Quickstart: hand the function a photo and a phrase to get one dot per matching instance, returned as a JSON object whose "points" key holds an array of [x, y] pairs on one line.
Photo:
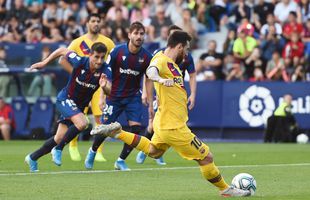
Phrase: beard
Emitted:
{"points": [[179, 59]]}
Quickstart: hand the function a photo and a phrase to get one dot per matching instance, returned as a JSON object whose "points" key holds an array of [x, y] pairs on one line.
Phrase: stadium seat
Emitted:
{"points": [[21, 111], [42, 115]]}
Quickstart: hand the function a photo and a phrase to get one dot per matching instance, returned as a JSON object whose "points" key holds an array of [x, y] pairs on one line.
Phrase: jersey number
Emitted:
{"points": [[196, 143], [70, 103], [108, 110]]}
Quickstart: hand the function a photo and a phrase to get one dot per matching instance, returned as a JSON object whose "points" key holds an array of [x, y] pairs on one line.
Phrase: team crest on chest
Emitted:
{"points": [[124, 58]]}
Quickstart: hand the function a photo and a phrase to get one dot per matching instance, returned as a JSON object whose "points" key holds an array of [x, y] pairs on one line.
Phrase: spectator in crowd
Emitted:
{"points": [[271, 22], [73, 29], [118, 22], [261, 10], [66, 11], [210, 63], [41, 85], [252, 61], [118, 4], [292, 26], [120, 35], [305, 37], [229, 42], [29, 3], [270, 43], [258, 75], [79, 13], [7, 121], [282, 126], [12, 31], [299, 74], [304, 6], [218, 10], [2, 10], [246, 25], [33, 34], [233, 70], [19, 11], [175, 9], [293, 52], [242, 49], [190, 25], [158, 21], [242, 10], [141, 12], [51, 12], [4, 78], [163, 38], [91, 7], [283, 9], [276, 68]]}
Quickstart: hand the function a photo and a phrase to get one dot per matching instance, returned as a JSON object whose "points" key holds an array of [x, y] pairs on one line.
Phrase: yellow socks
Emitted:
{"points": [[136, 141], [73, 142], [212, 174]]}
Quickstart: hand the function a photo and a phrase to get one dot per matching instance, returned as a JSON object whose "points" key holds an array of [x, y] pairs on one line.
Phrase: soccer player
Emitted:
{"points": [[128, 62], [89, 73], [81, 46], [170, 129], [187, 64]]}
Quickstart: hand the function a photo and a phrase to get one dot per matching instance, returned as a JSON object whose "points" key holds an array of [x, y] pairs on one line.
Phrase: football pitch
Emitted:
{"points": [[282, 171]]}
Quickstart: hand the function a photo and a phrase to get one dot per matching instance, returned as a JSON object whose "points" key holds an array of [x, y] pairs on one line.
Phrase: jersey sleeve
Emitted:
{"points": [[73, 46], [191, 66], [74, 59], [111, 58]]}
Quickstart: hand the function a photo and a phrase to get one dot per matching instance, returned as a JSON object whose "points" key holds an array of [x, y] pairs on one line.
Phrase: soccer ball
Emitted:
{"points": [[302, 138], [244, 181]]}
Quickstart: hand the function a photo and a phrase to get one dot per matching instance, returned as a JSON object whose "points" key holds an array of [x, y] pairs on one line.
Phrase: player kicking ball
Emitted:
{"points": [[170, 129]]}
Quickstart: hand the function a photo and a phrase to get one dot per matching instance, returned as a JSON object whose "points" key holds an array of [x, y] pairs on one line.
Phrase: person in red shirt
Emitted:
{"points": [[7, 122], [293, 52], [292, 26]]}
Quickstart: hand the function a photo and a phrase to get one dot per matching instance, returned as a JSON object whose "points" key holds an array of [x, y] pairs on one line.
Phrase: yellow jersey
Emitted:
{"points": [[82, 45], [172, 101]]}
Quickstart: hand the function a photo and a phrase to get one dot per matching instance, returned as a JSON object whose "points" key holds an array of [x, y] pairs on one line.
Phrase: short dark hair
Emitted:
{"points": [[178, 37], [293, 13], [99, 47], [93, 15], [136, 26], [172, 28]]}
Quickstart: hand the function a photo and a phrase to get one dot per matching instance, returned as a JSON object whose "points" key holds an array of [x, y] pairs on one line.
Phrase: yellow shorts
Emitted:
{"points": [[182, 140], [95, 104]]}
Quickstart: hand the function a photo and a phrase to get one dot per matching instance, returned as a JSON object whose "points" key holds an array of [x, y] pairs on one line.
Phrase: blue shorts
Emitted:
{"points": [[67, 109], [114, 108]]}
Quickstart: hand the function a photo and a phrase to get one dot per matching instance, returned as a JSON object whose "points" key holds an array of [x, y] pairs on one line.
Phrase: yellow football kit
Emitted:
{"points": [[170, 127]]}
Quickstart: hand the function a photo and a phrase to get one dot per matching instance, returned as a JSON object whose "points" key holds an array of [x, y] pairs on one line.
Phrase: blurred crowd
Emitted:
{"points": [[266, 39]]}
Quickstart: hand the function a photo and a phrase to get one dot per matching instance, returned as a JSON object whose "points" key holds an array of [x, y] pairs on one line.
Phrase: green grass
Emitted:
{"points": [[172, 183]]}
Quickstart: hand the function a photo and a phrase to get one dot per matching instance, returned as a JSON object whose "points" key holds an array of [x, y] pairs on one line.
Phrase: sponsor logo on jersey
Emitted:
{"points": [[129, 71], [88, 85]]}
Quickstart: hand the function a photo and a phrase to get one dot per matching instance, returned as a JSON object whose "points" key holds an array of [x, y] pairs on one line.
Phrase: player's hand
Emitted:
{"points": [[103, 81], [166, 82], [38, 65], [191, 101]]}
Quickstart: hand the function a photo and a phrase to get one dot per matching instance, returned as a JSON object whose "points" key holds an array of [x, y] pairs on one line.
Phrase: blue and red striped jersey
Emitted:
{"points": [[186, 65], [82, 82], [127, 70]]}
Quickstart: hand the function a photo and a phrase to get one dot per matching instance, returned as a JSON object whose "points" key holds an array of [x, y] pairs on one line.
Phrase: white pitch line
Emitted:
{"points": [[148, 169]]}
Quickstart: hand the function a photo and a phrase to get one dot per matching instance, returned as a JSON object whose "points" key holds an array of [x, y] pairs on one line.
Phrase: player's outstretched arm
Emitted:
{"points": [[152, 73], [55, 54]]}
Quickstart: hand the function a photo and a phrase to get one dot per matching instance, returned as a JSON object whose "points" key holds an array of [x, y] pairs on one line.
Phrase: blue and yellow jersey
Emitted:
{"points": [[172, 101], [82, 45]]}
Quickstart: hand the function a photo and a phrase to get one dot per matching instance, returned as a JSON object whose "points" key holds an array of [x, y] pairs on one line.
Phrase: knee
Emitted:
{"points": [[82, 125], [207, 160]]}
